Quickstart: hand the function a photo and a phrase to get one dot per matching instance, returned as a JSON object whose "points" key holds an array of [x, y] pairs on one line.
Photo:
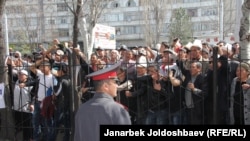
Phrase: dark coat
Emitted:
{"points": [[196, 114]]}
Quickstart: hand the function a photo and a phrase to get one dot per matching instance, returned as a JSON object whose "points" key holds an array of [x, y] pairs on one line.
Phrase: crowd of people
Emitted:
{"points": [[170, 84]]}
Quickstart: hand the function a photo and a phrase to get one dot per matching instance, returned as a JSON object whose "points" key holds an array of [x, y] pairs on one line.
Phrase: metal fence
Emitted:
{"points": [[211, 100]]}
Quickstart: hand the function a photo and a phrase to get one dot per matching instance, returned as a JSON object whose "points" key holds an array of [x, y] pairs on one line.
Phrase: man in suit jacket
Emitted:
{"points": [[195, 92]]}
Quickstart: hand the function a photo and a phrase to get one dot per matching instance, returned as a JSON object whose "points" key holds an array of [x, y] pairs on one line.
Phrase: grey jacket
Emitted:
{"points": [[100, 110]]}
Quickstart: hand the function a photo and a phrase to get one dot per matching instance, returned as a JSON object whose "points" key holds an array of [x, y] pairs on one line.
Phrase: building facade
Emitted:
{"points": [[42, 20]]}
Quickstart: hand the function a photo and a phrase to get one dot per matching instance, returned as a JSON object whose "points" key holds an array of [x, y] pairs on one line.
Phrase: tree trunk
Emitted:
{"points": [[75, 98], [6, 118], [2, 40], [244, 32]]}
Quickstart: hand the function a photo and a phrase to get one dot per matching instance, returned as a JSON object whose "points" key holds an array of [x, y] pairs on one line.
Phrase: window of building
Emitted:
{"points": [[165, 28], [63, 20], [130, 30], [112, 17], [32, 8], [190, 1], [178, 1], [12, 22], [51, 21], [62, 7], [174, 13], [138, 29], [209, 12], [115, 5], [33, 34], [192, 12], [206, 26], [11, 35], [131, 3], [33, 21], [63, 32], [52, 33], [102, 18], [117, 30], [133, 16], [14, 9], [20, 22], [196, 26], [9, 9]]}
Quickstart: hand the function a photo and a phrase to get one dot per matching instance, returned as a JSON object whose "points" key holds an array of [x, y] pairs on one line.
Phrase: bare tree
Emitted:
{"points": [[155, 19], [229, 19], [76, 10], [91, 12], [26, 17]]}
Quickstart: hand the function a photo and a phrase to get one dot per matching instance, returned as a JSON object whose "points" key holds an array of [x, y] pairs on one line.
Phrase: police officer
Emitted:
{"points": [[102, 108]]}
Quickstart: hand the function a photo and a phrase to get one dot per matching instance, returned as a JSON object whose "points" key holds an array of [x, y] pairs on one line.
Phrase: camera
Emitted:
{"points": [[173, 70]]}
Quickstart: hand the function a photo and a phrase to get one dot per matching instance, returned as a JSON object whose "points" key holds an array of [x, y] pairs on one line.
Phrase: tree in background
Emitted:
{"points": [[25, 18], [155, 19], [180, 26], [86, 14], [75, 7], [91, 12]]}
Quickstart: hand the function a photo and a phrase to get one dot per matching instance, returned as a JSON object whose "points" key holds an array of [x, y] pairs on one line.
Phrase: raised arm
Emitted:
{"points": [[33, 67]]}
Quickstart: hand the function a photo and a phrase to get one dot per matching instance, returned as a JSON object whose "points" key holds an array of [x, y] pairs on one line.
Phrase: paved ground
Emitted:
{"points": [[19, 137]]}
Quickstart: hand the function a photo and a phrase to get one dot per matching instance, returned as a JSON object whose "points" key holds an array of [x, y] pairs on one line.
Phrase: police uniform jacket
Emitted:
{"points": [[100, 110]]}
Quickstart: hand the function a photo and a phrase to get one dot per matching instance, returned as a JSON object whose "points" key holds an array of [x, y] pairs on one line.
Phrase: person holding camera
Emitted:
{"points": [[172, 76]]}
